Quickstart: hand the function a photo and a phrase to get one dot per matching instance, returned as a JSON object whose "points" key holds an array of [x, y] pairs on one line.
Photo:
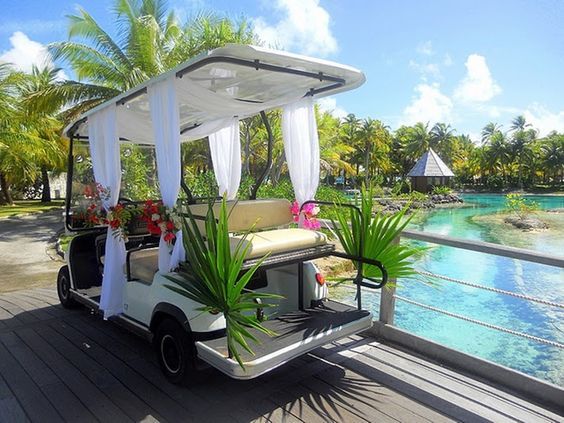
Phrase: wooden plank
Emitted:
{"points": [[10, 409], [39, 303], [17, 312], [366, 394], [195, 396], [94, 399], [425, 391], [36, 406], [146, 391], [62, 399], [486, 396], [40, 311], [312, 407], [130, 404], [323, 392], [26, 308]]}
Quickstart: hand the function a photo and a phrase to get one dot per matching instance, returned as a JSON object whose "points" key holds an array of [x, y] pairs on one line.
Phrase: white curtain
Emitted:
{"points": [[104, 149], [301, 146], [225, 149], [166, 132]]}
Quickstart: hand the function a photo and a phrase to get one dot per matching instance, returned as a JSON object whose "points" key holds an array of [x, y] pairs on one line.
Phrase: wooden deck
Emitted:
{"points": [[60, 365]]}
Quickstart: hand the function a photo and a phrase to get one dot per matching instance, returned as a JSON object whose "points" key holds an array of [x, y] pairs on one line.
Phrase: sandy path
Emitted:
{"points": [[25, 261]]}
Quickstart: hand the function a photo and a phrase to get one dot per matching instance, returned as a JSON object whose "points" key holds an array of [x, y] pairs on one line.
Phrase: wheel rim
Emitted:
{"points": [[64, 287], [170, 354]]}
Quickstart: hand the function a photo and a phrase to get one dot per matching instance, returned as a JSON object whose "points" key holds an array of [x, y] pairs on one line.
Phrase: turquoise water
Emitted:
{"points": [[542, 361]]}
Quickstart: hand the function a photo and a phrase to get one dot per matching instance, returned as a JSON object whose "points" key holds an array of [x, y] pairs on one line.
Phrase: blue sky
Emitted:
{"points": [[462, 62]]}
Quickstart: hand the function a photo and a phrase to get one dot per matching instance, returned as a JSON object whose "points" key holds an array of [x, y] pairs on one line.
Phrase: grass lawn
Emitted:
{"points": [[30, 206]]}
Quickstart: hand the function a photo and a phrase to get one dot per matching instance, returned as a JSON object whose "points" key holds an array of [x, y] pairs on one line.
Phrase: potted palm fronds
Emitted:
{"points": [[379, 233], [212, 276]]}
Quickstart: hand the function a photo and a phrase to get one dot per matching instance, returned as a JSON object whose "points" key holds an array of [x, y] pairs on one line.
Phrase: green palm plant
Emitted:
{"points": [[379, 233], [213, 276]]}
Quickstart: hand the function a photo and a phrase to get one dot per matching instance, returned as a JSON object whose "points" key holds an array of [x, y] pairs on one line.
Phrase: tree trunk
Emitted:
{"points": [[247, 150], [367, 163], [5, 189], [46, 192]]}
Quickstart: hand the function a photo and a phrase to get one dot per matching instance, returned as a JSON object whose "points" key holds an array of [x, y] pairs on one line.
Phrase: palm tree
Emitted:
{"points": [[521, 141], [149, 41], [349, 132], [442, 141], [552, 156], [519, 123], [43, 124], [489, 130], [497, 154], [419, 140]]}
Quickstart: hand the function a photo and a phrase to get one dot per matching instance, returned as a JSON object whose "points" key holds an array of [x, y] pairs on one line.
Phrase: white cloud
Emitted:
{"points": [[478, 85], [25, 53], [303, 27], [426, 69], [544, 120], [447, 60], [425, 48], [329, 104], [428, 105]]}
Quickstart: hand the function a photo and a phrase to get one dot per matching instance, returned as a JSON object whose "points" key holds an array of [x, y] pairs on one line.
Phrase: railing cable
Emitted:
{"points": [[481, 323], [496, 290]]}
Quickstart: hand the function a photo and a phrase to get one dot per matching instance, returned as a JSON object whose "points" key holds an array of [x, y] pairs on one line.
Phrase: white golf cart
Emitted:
{"points": [[125, 279]]}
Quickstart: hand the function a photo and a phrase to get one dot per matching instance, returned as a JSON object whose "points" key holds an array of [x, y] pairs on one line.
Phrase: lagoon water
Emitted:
{"points": [[545, 282]]}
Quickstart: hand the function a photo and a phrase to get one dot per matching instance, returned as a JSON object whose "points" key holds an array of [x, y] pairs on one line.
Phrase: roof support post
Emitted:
{"points": [[260, 180]]}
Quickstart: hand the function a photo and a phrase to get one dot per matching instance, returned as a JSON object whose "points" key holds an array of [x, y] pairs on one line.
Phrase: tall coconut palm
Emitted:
{"points": [[419, 140], [519, 123], [552, 156], [150, 40], [42, 123], [488, 131], [442, 141]]}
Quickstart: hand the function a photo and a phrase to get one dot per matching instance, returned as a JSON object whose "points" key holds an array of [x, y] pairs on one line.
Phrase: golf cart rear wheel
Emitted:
{"points": [[64, 288], [175, 351]]}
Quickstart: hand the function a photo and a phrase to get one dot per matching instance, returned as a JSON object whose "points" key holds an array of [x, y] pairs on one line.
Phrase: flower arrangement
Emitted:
{"points": [[310, 212], [159, 220], [117, 217]]}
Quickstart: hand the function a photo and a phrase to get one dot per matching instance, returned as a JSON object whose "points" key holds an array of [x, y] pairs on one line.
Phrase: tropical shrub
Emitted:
{"points": [[520, 206], [401, 187], [380, 232], [441, 190], [212, 276]]}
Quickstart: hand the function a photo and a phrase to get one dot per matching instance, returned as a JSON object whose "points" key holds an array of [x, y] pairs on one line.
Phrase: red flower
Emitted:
{"points": [[169, 237]]}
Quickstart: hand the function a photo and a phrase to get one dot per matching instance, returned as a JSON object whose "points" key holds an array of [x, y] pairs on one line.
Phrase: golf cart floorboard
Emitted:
{"points": [[296, 333]]}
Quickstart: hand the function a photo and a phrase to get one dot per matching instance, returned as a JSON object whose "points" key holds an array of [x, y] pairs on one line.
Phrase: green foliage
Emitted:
{"points": [[203, 185], [138, 173], [520, 206], [379, 233], [441, 190], [401, 187], [213, 277], [282, 189]]}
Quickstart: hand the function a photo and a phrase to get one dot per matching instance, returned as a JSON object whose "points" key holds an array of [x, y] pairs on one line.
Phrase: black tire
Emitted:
{"points": [[64, 288], [175, 351]]}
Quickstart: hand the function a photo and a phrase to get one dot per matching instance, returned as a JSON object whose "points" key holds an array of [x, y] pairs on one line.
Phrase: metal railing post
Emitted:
{"points": [[388, 300]]}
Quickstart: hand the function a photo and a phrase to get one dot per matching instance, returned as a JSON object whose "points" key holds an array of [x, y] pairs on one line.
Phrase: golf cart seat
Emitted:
{"points": [[263, 218], [143, 264]]}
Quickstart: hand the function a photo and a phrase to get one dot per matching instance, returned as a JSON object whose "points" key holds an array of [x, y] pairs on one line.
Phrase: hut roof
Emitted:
{"points": [[430, 164]]}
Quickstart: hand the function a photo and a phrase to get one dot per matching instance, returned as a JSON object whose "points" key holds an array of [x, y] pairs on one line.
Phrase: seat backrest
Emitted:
{"points": [[263, 214]]}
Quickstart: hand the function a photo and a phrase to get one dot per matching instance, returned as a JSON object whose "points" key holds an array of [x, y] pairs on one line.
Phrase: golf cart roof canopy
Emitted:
{"points": [[235, 80]]}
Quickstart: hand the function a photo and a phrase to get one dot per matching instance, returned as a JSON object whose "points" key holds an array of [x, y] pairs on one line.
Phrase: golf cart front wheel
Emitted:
{"points": [[64, 288], [175, 351]]}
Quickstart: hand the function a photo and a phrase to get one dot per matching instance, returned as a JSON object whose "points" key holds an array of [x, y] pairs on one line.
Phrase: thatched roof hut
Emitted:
{"points": [[430, 171]]}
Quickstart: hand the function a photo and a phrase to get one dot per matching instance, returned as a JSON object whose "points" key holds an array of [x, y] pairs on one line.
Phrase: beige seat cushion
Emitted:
{"points": [[263, 213], [280, 241], [143, 264]]}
